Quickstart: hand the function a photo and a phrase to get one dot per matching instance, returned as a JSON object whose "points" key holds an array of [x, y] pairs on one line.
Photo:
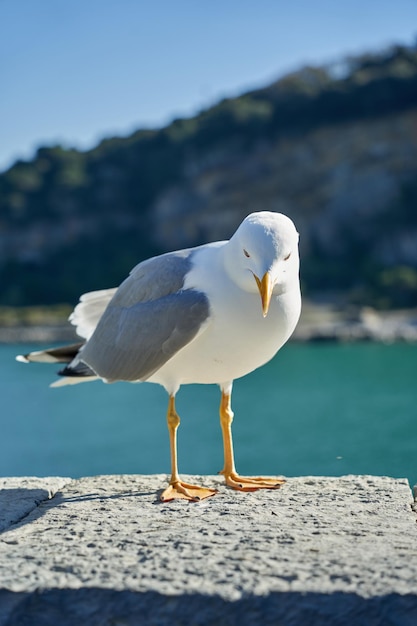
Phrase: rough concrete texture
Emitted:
{"points": [[104, 551], [20, 496]]}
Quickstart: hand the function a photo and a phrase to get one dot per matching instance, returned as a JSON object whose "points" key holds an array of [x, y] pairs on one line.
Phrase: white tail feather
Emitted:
{"points": [[89, 310], [73, 380]]}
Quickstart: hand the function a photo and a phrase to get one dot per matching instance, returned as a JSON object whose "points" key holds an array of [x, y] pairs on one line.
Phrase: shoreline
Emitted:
{"points": [[317, 324]]}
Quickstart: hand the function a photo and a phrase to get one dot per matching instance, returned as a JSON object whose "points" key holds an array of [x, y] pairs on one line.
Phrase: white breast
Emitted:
{"points": [[237, 338]]}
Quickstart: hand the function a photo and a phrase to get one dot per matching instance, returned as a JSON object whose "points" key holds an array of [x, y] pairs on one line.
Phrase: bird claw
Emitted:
{"points": [[252, 483], [179, 490]]}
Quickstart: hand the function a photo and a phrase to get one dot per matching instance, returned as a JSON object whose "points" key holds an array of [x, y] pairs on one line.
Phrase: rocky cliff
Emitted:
{"points": [[333, 147]]}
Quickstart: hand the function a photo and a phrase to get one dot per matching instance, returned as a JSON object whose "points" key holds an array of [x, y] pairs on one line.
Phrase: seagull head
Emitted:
{"points": [[262, 256]]}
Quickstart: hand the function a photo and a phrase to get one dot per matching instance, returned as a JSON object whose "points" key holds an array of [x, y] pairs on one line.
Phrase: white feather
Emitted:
{"points": [[88, 311], [73, 380]]}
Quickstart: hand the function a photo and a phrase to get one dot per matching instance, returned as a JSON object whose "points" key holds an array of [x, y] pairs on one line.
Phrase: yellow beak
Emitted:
{"points": [[265, 287]]}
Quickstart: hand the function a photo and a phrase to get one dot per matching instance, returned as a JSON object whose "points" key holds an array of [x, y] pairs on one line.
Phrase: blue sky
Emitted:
{"points": [[77, 71]]}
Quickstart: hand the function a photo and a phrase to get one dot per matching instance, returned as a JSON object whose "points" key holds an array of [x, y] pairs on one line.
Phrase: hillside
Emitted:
{"points": [[334, 147]]}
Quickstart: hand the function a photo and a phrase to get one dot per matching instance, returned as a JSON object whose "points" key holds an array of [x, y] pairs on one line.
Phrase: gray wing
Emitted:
{"points": [[149, 319]]}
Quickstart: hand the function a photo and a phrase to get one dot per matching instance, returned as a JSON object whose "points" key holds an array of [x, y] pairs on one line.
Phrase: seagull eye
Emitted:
{"points": [[287, 257], [246, 253]]}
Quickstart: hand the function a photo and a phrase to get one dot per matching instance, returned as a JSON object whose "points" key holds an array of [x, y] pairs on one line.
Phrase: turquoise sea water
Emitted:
{"points": [[315, 409]]}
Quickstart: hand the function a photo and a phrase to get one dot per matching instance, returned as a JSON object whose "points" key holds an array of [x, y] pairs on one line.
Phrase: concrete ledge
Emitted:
{"points": [[103, 550]]}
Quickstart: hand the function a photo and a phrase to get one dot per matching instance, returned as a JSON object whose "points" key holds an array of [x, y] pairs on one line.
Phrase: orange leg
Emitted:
{"points": [[240, 483], [177, 488]]}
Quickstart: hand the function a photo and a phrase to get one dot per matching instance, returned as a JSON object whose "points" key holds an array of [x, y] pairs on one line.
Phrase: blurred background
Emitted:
{"points": [[129, 129]]}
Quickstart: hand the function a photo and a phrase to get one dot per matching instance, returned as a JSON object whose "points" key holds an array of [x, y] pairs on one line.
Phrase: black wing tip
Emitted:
{"points": [[64, 354], [81, 370], [22, 358]]}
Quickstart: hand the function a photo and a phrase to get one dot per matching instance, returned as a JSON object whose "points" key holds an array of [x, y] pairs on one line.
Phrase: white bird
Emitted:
{"points": [[208, 314]]}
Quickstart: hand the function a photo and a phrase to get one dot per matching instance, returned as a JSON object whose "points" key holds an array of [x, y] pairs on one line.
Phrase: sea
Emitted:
{"points": [[326, 409]]}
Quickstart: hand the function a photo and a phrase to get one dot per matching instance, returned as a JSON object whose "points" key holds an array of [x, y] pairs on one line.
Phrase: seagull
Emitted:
{"points": [[207, 315]]}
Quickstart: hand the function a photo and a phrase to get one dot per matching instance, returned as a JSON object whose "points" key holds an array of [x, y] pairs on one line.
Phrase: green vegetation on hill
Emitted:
{"points": [[73, 221]]}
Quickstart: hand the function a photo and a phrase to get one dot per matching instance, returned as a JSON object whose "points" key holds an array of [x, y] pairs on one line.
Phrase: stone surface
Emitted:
{"points": [[104, 550], [20, 496]]}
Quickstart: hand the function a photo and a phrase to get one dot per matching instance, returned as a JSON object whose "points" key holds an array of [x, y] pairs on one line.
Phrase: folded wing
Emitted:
{"points": [[147, 320]]}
